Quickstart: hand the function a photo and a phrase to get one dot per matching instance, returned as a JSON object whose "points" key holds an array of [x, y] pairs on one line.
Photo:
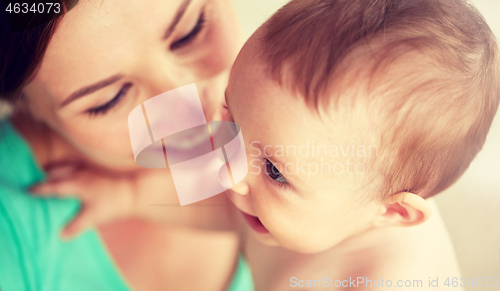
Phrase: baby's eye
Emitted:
{"points": [[274, 173]]}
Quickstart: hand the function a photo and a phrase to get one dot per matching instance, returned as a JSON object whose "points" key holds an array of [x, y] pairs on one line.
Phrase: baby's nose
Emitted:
{"points": [[224, 178], [240, 188]]}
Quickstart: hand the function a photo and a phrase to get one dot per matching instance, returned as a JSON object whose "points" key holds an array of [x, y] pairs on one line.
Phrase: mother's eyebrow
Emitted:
{"points": [[177, 17], [91, 89]]}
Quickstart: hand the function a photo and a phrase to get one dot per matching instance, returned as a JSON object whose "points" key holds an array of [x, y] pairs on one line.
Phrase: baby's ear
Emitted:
{"points": [[403, 209]]}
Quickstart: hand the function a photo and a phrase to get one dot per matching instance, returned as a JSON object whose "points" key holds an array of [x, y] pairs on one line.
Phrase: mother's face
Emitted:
{"points": [[108, 56]]}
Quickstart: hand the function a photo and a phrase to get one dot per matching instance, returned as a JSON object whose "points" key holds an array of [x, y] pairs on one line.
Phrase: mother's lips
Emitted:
{"points": [[255, 223]]}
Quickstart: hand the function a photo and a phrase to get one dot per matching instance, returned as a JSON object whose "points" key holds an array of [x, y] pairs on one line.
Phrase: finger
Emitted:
{"points": [[85, 219], [58, 189], [98, 211], [62, 172]]}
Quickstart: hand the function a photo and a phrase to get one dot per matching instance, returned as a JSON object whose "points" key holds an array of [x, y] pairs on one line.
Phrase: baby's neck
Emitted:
{"points": [[391, 236], [364, 240]]}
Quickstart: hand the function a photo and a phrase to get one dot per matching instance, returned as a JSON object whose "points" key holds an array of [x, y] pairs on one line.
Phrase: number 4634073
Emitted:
{"points": [[477, 282], [34, 8]]}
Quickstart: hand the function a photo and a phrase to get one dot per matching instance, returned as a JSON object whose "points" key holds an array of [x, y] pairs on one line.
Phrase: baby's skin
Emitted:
{"points": [[319, 202], [415, 256]]}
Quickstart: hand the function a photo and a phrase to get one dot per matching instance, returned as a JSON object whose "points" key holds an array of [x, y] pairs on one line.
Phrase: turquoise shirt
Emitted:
{"points": [[32, 256]]}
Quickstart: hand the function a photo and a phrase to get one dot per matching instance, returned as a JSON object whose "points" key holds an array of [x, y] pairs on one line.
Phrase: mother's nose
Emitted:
{"points": [[159, 81]]}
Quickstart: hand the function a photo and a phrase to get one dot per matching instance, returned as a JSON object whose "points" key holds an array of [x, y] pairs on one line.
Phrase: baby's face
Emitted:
{"points": [[306, 170]]}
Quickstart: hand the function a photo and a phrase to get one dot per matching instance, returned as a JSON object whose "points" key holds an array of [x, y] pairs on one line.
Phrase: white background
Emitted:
{"points": [[470, 208]]}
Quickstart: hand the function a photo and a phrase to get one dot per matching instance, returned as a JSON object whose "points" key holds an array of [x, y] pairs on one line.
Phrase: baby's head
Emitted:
{"points": [[350, 107]]}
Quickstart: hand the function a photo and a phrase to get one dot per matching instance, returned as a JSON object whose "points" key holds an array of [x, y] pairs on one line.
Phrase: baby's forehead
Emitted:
{"points": [[418, 77]]}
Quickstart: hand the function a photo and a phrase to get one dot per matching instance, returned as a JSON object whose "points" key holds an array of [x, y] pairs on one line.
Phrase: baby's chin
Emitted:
{"points": [[296, 245], [267, 239], [299, 245]]}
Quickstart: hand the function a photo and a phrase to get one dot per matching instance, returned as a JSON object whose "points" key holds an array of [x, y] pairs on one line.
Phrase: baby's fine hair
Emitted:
{"points": [[428, 68]]}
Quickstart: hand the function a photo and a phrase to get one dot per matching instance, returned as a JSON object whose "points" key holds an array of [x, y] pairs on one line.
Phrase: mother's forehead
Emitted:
{"points": [[98, 39]]}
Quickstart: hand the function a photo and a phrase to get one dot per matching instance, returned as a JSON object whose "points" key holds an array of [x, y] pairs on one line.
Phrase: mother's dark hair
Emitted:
{"points": [[24, 38]]}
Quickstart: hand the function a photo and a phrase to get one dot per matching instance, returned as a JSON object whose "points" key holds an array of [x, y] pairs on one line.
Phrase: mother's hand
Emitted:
{"points": [[103, 196], [149, 194]]}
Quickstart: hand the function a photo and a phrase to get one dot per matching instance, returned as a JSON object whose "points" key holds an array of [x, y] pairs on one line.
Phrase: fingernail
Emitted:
{"points": [[66, 235], [35, 191]]}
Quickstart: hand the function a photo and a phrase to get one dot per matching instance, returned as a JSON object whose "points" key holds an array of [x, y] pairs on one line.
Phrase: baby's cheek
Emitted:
{"points": [[281, 222], [313, 231]]}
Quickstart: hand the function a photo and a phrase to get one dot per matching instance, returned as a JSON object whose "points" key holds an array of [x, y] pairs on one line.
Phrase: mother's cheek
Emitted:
{"points": [[224, 39], [102, 141]]}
